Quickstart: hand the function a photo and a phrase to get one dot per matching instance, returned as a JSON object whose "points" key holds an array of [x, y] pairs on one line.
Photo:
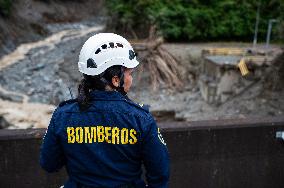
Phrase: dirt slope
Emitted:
{"points": [[30, 20]]}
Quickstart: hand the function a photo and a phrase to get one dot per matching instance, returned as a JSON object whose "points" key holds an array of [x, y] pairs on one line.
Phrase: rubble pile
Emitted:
{"points": [[221, 79]]}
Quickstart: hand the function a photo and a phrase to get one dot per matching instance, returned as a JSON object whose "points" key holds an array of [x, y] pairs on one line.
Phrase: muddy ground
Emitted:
{"points": [[40, 44], [33, 20], [36, 77], [265, 97]]}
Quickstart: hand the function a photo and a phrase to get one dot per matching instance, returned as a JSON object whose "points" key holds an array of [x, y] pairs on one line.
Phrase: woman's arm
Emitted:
{"points": [[51, 153], [155, 157]]}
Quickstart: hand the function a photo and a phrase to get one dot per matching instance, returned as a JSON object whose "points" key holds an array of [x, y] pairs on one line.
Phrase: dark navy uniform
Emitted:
{"points": [[106, 145]]}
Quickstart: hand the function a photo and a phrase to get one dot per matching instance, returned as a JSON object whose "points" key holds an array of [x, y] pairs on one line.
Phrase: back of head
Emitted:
{"points": [[98, 82], [102, 57]]}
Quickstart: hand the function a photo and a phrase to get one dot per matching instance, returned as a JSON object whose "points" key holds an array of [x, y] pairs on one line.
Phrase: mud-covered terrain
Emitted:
{"points": [[39, 79], [264, 97], [35, 76], [39, 73], [33, 20]]}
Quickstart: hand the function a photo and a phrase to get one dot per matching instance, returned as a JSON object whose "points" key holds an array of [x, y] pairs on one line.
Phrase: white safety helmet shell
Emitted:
{"points": [[104, 50]]}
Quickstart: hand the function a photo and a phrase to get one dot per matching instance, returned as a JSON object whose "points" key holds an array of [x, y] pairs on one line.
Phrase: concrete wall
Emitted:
{"points": [[230, 153]]}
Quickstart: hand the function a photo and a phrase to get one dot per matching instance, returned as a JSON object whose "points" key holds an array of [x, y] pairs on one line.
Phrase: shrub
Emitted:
{"points": [[5, 7]]}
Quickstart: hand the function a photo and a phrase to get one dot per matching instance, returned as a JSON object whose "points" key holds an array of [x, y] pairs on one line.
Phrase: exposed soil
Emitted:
{"points": [[264, 98], [30, 20], [43, 74], [37, 75]]}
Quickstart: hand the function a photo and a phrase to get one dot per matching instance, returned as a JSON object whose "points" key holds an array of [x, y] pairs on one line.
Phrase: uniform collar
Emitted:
{"points": [[98, 95], [107, 95]]}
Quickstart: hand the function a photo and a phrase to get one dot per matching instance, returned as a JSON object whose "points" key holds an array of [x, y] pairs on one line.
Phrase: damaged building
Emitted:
{"points": [[221, 78]]}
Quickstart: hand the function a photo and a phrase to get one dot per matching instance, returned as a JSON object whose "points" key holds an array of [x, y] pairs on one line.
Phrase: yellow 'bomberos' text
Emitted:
{"points": [[99, 134]]}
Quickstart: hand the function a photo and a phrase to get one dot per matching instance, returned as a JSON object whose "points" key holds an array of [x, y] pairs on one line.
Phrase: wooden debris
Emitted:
{"points": [[162, 66]]}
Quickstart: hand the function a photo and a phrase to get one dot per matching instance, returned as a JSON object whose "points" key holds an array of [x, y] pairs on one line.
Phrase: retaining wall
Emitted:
{"points": [[204, 154]]}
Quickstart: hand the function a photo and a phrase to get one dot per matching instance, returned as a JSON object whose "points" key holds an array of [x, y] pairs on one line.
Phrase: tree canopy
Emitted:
{"points": [[197, 20]]}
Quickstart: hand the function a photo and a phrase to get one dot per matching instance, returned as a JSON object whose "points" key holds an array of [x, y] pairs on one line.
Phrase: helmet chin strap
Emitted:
{"points": [[121, 83]]}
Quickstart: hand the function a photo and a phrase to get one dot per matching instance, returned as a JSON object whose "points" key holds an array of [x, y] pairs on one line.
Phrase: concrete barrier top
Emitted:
{"points": [[176, 126]]}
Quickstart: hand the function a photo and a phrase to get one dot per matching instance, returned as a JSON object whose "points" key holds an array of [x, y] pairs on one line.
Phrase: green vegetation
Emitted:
{"points": [[5, 7], [197, 20]]}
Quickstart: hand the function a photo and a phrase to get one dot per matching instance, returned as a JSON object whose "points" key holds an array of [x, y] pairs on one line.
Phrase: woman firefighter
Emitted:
{"points": [[102, 137]]}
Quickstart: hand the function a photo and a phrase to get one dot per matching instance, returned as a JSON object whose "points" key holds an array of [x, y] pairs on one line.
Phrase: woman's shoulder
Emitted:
{"points": [[70, 101], [67, 105], [138, 108]]}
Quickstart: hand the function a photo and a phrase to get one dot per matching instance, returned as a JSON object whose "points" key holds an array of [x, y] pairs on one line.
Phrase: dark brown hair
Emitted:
{"points": [[98, 82]]}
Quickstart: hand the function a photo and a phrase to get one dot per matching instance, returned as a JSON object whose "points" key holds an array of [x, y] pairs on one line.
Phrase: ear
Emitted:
{"points": [[115, 81]]}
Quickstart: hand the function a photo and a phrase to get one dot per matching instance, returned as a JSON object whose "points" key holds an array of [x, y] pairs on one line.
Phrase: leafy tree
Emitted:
{"points": [[5, 7], [195, 19]]}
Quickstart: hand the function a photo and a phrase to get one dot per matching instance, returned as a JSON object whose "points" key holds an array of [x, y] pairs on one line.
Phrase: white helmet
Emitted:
{"points": [[104, 50]]}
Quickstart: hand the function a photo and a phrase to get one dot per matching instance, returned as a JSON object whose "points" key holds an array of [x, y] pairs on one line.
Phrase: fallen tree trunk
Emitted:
{"points": [[162, 66]]}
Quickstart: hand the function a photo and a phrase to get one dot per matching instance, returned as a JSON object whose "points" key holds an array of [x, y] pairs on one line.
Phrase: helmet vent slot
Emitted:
{"points": [[119, 45], [98, 51], [91, 63], [111, 44], [132, 54], [104, 46]]}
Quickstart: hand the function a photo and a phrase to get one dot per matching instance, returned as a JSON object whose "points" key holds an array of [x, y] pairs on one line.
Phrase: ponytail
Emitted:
{"points": [[83, 95]]}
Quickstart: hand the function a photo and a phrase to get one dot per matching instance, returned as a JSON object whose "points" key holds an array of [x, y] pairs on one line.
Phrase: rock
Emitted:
{"points": [[38, 67], [46, 78], [4, 123], [31, 91], [11, 97]]}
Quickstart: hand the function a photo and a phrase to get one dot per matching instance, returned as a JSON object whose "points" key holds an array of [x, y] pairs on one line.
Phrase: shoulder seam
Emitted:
{"points": [[137, 106], [66, 102]]}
